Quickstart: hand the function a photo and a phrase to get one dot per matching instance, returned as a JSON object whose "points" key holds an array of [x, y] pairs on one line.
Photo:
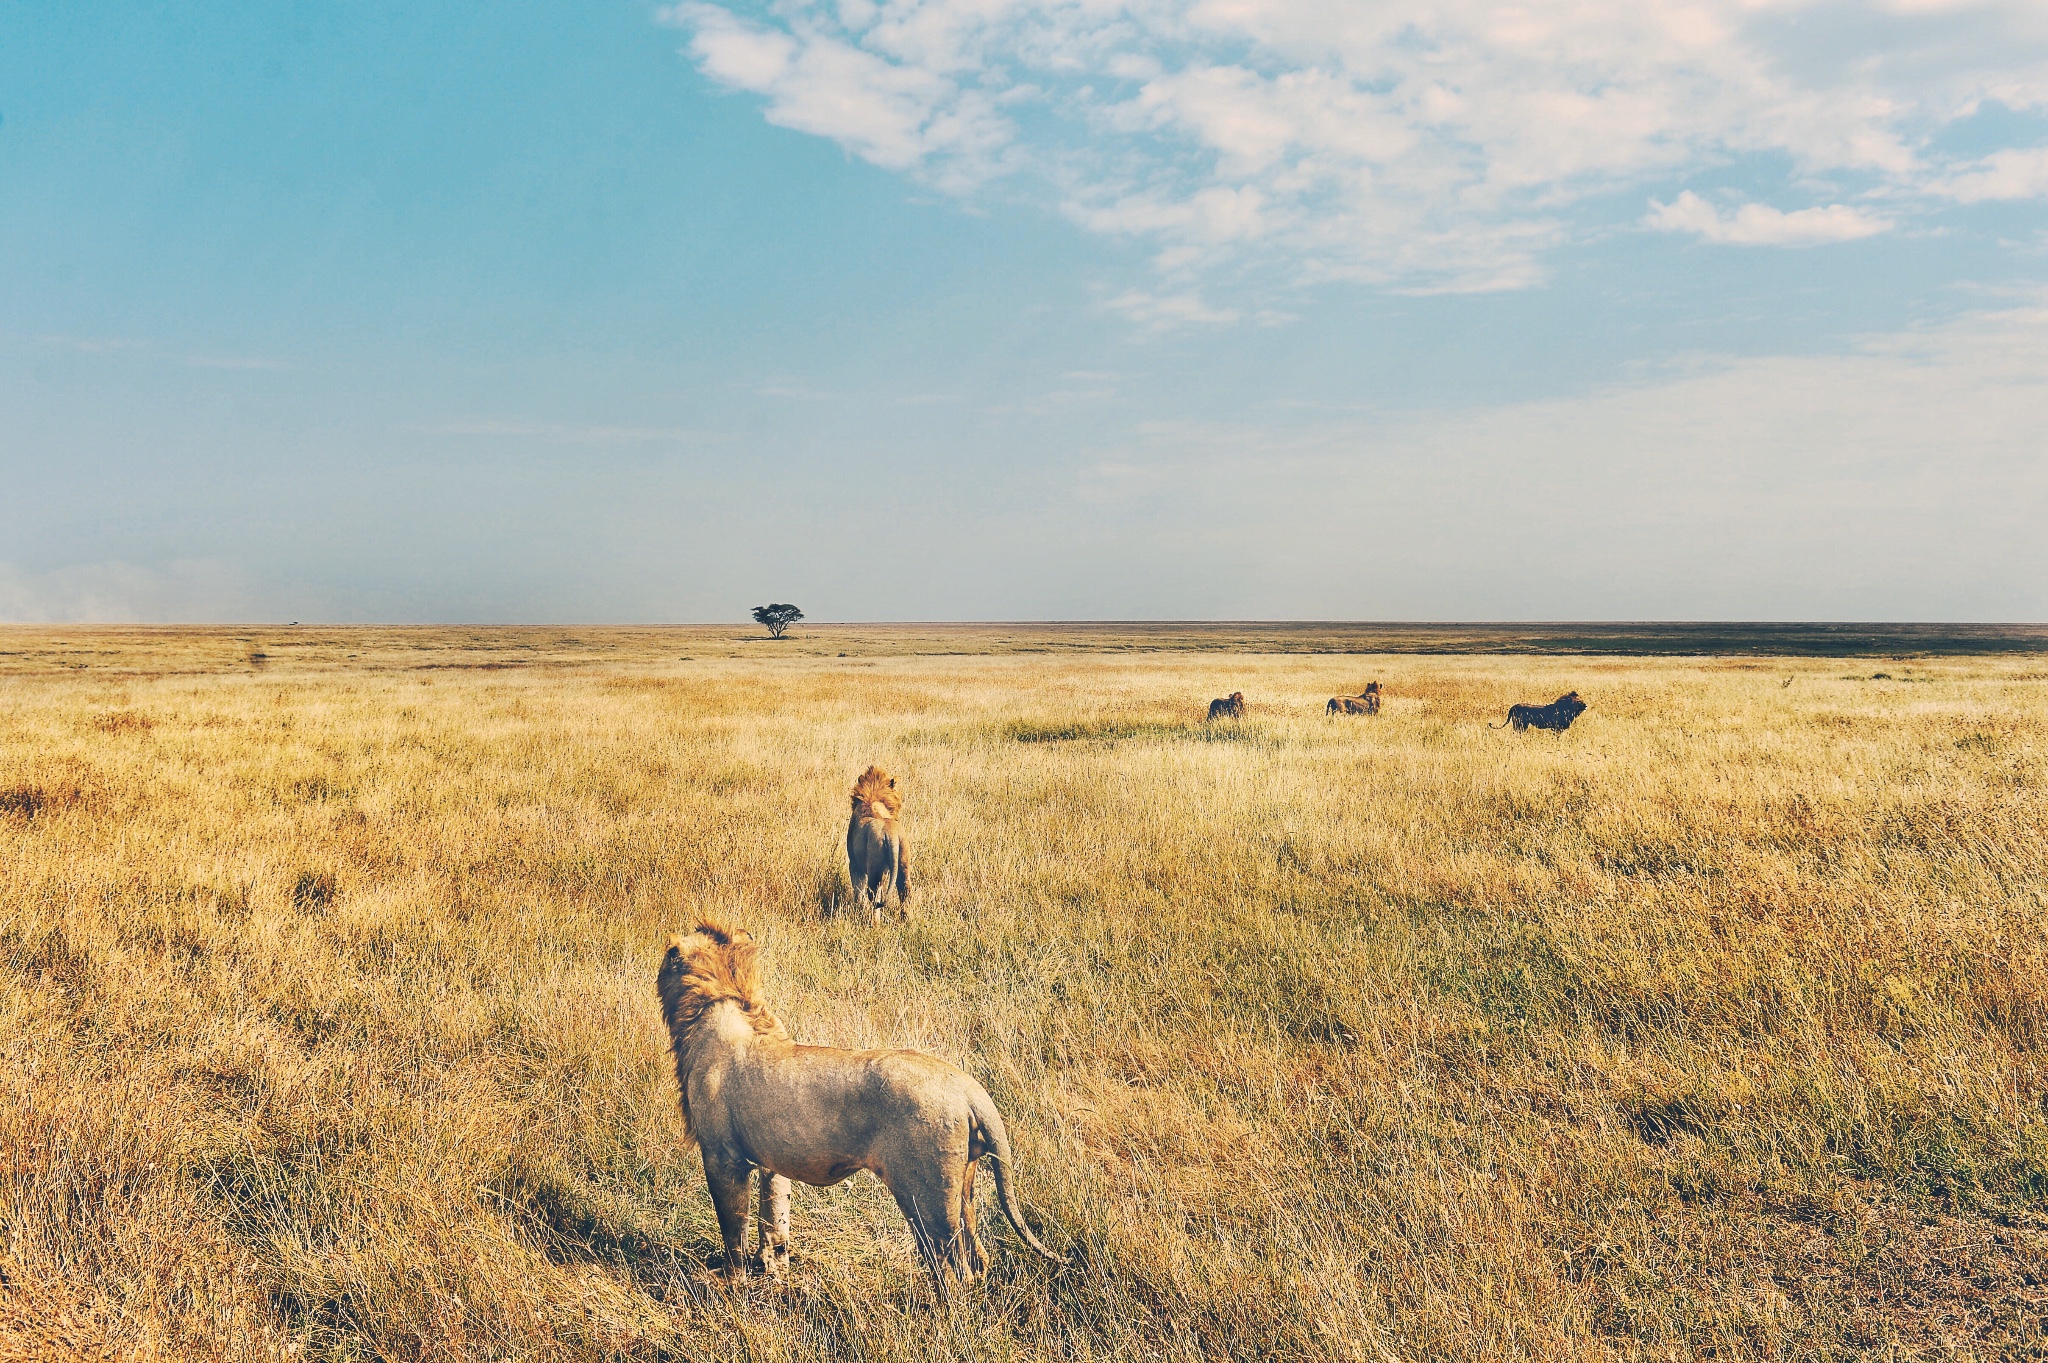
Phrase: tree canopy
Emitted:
{"points": [[777, 617]]}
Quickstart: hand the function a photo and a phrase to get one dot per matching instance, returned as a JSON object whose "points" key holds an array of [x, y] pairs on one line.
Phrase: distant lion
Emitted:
{"points": [[1557, 715], [876, 852], [1230, 707], [1366, 702], [753, 1099]]}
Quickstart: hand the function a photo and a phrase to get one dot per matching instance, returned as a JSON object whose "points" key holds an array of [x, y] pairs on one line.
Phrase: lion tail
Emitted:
{"points": [[1503, 724], [997, 1137], [902, 872]]}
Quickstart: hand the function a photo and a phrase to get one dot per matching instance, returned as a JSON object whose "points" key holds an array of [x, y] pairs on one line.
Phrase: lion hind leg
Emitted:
{"points": [[772, 1224], [977, 1256], [930, 1202]]}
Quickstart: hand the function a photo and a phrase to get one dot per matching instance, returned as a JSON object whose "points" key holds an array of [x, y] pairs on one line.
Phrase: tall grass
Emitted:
{"points": [[1711, 1028]]}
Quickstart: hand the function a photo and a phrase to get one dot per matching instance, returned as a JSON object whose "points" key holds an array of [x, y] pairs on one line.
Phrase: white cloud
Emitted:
{"points": [[1425, 147], [895, 114], [1762, 225], [2016, 173]]}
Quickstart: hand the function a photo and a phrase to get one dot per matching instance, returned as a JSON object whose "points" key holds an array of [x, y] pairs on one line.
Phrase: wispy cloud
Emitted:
{"points": [[184, 590], [91, 345], [1164, 312], [1116, 483], [128, 345], [234, 362], [795, 392], [1900, 480], [1753, 224], [563, 432], [1430, 147]]}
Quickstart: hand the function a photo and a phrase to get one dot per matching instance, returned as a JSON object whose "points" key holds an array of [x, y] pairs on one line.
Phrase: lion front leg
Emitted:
{"points": [[772, 1223], [728, 1180]]}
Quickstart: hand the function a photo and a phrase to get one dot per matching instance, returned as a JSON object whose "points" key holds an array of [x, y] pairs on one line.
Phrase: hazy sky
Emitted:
{"points": [[982, 309]]}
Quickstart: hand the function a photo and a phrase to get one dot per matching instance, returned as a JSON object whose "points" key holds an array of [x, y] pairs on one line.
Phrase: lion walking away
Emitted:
{"points": [[1558, 715], [754, 1101], [876, 853], [1228, 707], [1366, 702]]}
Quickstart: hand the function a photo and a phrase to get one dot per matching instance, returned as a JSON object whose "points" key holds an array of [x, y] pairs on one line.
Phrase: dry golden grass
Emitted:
{"points": [[1713, 1027]]}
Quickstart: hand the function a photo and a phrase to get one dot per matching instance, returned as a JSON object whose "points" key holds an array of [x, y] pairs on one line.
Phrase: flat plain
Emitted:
{"points": [[1711, 1028]]}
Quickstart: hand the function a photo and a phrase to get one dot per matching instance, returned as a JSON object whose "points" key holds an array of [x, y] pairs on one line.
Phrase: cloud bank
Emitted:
{"points": [[1445, 146], [1901, 480], [117, 591]]}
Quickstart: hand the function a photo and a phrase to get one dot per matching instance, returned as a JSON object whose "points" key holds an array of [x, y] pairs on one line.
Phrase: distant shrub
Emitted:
{"points": [[313, 891], [29, 802]]}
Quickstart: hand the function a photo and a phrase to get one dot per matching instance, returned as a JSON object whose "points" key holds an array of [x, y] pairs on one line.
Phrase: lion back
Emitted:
{"points": [[872, 831]]}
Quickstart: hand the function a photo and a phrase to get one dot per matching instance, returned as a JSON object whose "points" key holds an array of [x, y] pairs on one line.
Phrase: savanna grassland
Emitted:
{"points": [[1714, 1027]]}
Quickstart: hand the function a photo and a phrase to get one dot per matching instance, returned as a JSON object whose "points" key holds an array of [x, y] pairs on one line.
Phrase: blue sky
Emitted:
{"points": [[971, 309]]}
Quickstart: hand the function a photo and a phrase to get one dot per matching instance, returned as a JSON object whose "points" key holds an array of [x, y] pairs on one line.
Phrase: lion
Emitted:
{"points": [[1557, 715], [754, 1099], [1366, 702], [1229, 707], [876, 852]]}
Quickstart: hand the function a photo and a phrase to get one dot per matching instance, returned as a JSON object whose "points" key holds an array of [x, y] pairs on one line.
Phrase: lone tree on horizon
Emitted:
{"points": [[777, 617]]}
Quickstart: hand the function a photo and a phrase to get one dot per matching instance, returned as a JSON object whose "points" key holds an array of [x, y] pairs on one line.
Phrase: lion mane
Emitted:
{"points": [[754, 1100], [877, 787], [715, 964]]}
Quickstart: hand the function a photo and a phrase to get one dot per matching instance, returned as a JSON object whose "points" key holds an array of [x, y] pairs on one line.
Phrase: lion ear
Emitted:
{"points": [[675, 941], [892, 783]]}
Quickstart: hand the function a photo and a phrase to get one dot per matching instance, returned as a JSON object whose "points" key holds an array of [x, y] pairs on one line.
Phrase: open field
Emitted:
{"points": [[1714, 1027], [160, 649]]}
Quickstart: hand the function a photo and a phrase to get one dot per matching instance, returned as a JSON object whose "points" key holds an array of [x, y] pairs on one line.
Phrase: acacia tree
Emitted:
{"points": [[777, 617]]}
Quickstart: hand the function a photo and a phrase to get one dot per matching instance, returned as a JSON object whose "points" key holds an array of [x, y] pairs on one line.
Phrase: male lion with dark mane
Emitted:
{"points": [[876, 853], [1228, 707], [753, 1099], [1558, 715]]}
